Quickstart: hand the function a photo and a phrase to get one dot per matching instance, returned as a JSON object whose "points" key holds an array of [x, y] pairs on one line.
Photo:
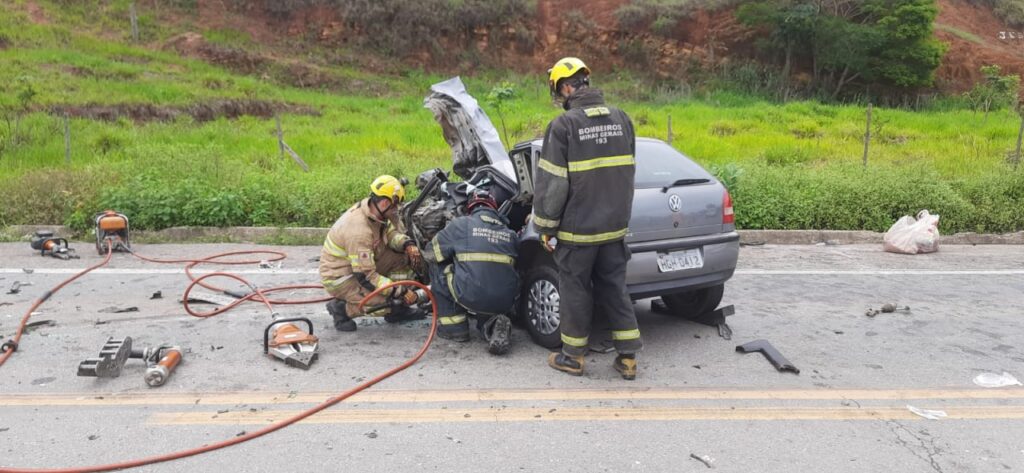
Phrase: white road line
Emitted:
{"points": [[131, 271], [879, 272], [739, 272]]}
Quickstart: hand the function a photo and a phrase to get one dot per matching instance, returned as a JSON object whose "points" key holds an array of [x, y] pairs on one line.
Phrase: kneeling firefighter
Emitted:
{"points": [[472, 271], [366, 249]]}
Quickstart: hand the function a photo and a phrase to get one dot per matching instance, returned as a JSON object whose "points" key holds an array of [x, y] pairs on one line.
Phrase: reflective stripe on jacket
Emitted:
{"points": [[480, 251], [585, 174], [350, 249]]}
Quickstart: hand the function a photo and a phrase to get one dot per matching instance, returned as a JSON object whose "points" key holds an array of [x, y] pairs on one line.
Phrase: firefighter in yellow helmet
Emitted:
{"points": [[583, 199], [367, 249]]}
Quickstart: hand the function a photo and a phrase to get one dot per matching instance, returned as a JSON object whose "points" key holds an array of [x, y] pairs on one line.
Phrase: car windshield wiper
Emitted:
{"points": [[684, 182]]}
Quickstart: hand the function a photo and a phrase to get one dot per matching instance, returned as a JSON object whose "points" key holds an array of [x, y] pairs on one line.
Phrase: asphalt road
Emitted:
{"points": [[461, 409]]}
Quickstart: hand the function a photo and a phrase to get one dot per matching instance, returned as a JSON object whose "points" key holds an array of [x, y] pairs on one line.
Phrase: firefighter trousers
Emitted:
{"points": [[391, 264], [591, 277], [452, 316]]}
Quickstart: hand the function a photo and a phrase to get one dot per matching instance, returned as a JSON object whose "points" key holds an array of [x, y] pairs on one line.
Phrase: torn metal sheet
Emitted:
{"points": [[118, 310], [467, 129], [200, 297], [16, 287], [927, 413], [765, 348]]}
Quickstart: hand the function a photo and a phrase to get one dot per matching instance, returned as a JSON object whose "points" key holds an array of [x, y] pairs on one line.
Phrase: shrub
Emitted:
{"points": [[806, 129], [994, 91], [839, 196], [786, 155], [722, 128]]}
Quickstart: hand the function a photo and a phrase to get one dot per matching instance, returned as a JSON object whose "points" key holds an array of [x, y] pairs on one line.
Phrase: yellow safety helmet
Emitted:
{"points": [[564, 69], [388, 187]]}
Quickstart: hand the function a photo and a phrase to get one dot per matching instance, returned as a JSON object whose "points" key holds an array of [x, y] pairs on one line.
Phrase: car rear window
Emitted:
{"points": [[658, 165]]}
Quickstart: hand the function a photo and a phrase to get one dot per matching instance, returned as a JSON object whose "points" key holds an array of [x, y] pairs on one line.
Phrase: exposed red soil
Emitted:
{"points": [[703, 38], [962, 65], [288, 71], [36, 13], [201, 112]]}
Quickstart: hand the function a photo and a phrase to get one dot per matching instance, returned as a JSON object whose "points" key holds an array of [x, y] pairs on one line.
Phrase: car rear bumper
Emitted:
{"points": [[643, 279]]}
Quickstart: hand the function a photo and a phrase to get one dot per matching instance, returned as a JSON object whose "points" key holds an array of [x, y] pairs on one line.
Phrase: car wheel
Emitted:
{"points": [[692, 305], [538, 306]]}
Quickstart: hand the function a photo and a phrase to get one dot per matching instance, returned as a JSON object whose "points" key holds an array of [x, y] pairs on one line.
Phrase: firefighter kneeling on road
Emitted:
{"points": [[366, 249], [472, 271]]}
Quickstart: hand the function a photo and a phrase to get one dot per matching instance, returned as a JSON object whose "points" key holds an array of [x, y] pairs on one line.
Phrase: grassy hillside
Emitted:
{"points": [[177, 141]]}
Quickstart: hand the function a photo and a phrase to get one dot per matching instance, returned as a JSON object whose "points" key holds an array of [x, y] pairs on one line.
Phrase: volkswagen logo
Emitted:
{"points": [[675, 203]]}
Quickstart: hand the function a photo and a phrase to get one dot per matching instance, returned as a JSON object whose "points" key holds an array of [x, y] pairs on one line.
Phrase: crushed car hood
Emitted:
{"points": [[467, 130]]}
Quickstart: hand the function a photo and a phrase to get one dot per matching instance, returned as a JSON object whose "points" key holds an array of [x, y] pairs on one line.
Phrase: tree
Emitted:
{"points": [[792, 25], [907, 54], [885, 42], [841, 53], [500, 99]]}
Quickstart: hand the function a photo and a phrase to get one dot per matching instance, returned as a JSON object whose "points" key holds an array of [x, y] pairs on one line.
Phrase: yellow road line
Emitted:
{"points": [[483, 395], [344, 416]]}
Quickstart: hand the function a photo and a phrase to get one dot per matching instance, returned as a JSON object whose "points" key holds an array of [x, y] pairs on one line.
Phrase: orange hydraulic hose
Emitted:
{"points": [[272, 427], [28, 314], [277, 256]]}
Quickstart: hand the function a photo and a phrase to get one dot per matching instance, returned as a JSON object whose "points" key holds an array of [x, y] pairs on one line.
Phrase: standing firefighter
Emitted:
{"points": [[472, 270], [366, 250], [584, 196]]}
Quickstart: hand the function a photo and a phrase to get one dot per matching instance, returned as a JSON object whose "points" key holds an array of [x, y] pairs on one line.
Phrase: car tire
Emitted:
{"points": [[538, 306], [694, 304]]}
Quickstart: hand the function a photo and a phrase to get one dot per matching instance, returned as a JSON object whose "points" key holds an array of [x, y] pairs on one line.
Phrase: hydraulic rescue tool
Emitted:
{"points": [[284, 340], [49, 245], [160, 361], [395, 302], [112, 232]]}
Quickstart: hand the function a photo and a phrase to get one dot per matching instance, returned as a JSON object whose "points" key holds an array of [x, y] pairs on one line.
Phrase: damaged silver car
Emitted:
{"points": [[681, 233]]}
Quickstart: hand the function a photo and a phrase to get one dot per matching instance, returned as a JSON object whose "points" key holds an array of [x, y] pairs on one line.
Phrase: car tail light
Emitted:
{"points": [[727, 215]]}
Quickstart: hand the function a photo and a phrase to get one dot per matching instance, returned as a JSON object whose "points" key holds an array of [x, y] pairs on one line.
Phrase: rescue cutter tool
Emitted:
{"points": [[49, 245], [284, 340], [161, 361]]}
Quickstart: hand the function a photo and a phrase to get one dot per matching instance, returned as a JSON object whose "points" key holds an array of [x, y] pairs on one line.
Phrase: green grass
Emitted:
{"points": [[799, 163], [960, 33]]}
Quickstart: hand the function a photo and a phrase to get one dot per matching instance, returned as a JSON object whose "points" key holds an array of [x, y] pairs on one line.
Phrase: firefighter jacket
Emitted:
{"points": [[479, 251], [352, 246], [584, 178]]}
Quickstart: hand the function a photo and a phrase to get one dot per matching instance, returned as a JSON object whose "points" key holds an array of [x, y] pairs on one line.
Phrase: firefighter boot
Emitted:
{"points": [[342, 322], [455, 328], [569, 364], [497, 330], [626, 366]]}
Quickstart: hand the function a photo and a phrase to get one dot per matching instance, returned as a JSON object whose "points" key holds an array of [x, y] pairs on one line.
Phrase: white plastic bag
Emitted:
{"points": [[992, 380], [912, 236]]}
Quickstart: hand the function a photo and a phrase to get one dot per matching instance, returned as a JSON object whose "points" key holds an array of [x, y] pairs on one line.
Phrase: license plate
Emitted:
{"points": [[680, 260]]}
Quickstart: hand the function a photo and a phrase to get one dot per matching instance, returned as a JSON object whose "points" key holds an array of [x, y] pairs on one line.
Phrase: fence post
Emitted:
{"points": [[67, 139], [1020, 137], [867, 136], [280, 136], [670, 129], [135, 22], [283, 147]]}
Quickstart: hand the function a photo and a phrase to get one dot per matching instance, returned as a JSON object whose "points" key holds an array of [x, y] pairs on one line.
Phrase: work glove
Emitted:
{"points": [[546, 240], [405, 294], [414, 255], [410, 297]]}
